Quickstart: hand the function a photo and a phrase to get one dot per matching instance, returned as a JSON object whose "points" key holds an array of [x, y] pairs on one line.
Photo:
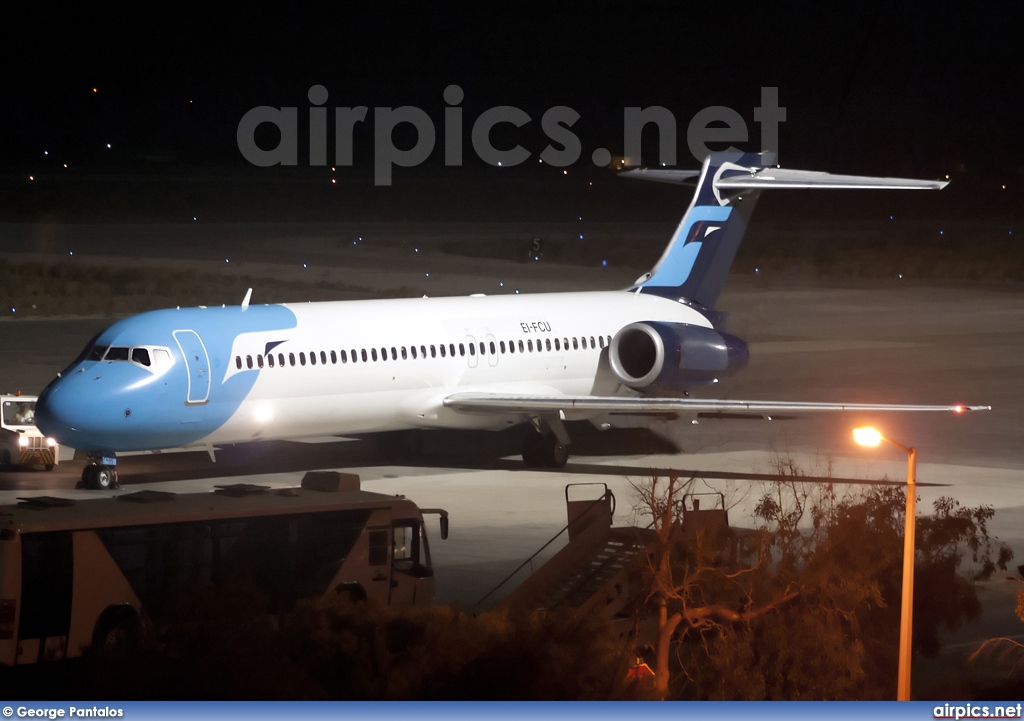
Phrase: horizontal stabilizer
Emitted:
{"points": [[496, 403], [739, 178]]}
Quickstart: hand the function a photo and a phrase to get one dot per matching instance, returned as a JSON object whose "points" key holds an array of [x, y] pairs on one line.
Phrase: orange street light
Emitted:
{"points": [[868, 436]]}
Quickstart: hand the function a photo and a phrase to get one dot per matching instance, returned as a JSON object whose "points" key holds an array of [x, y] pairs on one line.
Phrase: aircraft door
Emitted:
{"points": [[197, 364], [471, 351], [492, 350]]}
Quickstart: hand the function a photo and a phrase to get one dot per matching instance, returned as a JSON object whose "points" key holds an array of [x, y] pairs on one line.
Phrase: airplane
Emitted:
{"points": [[201, 377]]}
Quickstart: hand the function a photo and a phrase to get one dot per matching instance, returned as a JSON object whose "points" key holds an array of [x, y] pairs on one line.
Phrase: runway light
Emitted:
{"points": [[501, 285], [517, 291], [900, 276], [499, 163], [867, 436], [95, 90], [46, 152], [226, 260], [194, 218], [565, 172], [604, 263], [303, 265], [333, 181], [108, 146], [1004, 187], [71, 252], [31, 177], [942, 232], [415, 250], [581, 236], [65, 165], [428, 275]]}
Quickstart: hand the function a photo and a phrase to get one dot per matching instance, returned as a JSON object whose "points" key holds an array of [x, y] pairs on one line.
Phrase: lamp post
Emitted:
{"points": [[871, 437]]}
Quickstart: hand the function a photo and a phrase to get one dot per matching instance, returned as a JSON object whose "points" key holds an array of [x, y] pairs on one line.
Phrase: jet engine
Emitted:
{"points": [[674, 355]]}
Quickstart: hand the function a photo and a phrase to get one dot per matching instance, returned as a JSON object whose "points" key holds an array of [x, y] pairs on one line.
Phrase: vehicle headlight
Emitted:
{"points": [[51, 442], [22, 441]]}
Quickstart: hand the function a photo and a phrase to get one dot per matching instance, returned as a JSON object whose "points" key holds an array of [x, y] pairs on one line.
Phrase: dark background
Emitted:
{"points": [[919, 89]]}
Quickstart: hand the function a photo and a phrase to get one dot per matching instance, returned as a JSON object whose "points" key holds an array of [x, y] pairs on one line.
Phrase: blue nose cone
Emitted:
{"points": [[59, 411]]}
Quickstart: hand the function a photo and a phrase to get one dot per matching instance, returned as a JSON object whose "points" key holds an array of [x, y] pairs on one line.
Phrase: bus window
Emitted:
{"points": [[378, 547]]}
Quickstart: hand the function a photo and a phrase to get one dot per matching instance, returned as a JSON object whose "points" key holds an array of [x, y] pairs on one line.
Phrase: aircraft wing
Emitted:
{"points": [[571, 405]]}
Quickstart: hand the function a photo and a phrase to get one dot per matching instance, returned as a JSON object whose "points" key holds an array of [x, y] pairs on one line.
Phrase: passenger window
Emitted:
{"points": [[373, 354], [492, 347], [248, 362], [451, 349], [565, 343], [482, 350], [259, 361], [600, 341], [323, 358], [432, 353], [384, 354], [412, 349], [443, 351], [558, 346], [302, 359], [334, 358], [405, 356], [238, 362], [462, 349], [592, 343], [547, 344], [529, 345], [291, 359], [363, 354], [280, 360], [423, 351], [502, 346], [344, 357], [312, 358], [141, 356], [394, 353], [270, 359], [522, 348], [472, 349], [575, 344]]}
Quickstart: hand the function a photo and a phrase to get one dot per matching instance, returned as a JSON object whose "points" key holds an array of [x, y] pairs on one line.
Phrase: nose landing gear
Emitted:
{"points": [[100, 472]]}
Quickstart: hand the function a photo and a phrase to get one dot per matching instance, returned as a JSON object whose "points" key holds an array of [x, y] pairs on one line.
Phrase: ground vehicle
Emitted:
{"points": [[94, 571], [21, 443]]}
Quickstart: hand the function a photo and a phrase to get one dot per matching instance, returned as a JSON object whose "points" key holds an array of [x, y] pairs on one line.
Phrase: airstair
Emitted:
{"points": [[590, 571]]}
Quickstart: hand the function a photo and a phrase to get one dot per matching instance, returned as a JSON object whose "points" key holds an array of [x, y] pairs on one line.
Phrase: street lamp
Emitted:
{"points": [[868, 436]]}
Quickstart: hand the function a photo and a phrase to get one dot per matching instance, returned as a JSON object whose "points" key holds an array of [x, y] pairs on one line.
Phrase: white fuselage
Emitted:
{"points": [[351, 396]]}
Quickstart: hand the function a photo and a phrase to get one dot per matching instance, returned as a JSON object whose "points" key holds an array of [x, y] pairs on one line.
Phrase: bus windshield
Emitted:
{"points": [[19, 413]]}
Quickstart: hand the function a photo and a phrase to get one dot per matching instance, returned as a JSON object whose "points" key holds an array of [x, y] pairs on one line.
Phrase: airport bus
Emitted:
{"points": [[75, 573]]}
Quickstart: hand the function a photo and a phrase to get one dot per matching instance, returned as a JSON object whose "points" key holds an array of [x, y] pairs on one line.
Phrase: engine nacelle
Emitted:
{"points": [[674, 355]]}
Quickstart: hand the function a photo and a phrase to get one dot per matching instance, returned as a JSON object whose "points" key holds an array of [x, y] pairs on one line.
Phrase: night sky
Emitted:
{"points": [[918, 88]]}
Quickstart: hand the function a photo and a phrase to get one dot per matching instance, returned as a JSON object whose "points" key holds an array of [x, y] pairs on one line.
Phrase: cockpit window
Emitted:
{"points": [[116, 353], [141, 356], [96, 353]]}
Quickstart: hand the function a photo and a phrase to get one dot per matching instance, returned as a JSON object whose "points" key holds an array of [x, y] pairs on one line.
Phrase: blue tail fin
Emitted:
{"points": [[697, 260]]}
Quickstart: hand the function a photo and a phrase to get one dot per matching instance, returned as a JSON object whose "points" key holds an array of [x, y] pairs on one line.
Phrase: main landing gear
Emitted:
{"points": [[100, 472], [547, 444]]}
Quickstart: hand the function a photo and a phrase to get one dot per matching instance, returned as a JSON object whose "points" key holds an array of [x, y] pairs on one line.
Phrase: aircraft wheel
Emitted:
{"points": [[556, 454], [98, 477]]}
